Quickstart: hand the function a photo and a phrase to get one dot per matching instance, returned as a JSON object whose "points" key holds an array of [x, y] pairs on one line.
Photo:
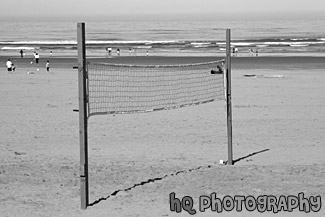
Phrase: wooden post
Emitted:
{"points": [[82, 88], [228, 94]]}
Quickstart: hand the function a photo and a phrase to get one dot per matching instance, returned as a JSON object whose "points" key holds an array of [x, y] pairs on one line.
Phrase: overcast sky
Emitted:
{"points": [[14, 8]]}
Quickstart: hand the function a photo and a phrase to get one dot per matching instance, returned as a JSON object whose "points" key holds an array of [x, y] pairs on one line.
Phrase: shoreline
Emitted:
{"points": [[238, 63]]}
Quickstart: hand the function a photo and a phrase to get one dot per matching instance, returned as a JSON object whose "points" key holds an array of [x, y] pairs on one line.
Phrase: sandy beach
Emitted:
{"points": [[137, 160]]}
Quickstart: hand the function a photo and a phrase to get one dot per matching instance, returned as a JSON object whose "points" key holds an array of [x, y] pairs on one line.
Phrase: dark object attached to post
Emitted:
{"points": [[218, 71]]}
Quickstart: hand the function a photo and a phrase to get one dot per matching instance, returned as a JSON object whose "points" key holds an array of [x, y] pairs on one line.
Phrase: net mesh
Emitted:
{"points": [[116, 88]]}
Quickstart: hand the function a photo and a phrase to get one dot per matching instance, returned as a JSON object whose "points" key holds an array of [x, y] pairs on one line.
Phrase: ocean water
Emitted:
{"points": [[166, 37]]}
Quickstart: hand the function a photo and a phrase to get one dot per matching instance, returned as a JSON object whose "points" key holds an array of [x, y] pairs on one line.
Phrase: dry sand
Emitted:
{"points": [[278, 137]]}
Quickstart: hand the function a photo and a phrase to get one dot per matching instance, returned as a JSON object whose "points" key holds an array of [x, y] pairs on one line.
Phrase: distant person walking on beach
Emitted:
{"points": [[47, 65], [36, 58], [21, 53], [9, 65], [118, 51], [236, 51]]}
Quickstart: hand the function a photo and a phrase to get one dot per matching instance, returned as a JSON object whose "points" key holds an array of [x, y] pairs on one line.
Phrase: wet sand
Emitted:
{"points": [[240, 63]]}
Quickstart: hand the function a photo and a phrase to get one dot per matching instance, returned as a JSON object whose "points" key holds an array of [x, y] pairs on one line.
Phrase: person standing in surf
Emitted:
{"points": [[21, 53]]}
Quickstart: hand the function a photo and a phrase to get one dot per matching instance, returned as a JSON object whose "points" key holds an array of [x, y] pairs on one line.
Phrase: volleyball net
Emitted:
{"points": [[118, 88], [105, 88]]}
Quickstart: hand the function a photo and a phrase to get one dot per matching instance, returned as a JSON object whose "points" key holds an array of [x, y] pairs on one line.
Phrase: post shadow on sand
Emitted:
{"points": [[250, 155], [166, 175]]}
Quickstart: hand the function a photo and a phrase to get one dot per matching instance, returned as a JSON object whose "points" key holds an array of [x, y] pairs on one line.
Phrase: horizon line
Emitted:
{"points": [[168, 16]]}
